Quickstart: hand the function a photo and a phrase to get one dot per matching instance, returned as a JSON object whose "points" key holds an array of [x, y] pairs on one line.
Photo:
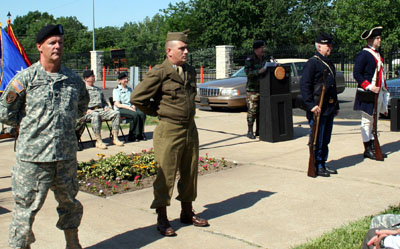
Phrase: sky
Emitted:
{"points": [[107, 12]]}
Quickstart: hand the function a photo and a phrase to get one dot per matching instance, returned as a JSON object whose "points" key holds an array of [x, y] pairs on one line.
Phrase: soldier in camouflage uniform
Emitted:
{"points": [[45, 101], [384, 232], [168, 91], [254, 68], [99, 109]]}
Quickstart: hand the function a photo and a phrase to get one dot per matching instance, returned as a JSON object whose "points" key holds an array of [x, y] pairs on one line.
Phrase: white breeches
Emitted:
{"points": [[366, 127]]}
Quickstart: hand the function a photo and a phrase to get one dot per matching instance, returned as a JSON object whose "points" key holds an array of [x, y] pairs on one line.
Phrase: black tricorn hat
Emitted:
{"points": [[122, 75], [377, 31], [324, 38], [49, 30], [87, 74]]}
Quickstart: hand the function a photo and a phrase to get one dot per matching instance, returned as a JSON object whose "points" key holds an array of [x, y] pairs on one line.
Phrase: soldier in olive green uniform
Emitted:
{"points": [[254, 68], [168, 91], [45, 101]]}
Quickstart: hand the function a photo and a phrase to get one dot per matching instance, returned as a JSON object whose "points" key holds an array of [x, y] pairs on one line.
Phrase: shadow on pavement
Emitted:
{"points": [[143, 236]]}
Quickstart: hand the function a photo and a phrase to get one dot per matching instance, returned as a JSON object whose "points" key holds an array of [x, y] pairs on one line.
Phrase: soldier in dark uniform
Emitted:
{"points": [[168, 91], [310, 91], [368, 68], [254, 68]]}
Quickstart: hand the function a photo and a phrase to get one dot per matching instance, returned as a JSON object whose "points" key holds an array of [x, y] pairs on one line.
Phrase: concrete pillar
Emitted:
{"points": [[97, 63], [224, 60], [134, 77]]}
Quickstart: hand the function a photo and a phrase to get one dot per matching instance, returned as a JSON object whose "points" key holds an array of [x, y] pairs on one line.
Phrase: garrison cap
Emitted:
{"points": [[324, 38], [258, 44], [87, 74], [177, 36], [49, 30], [122, 75], [377, 31]]}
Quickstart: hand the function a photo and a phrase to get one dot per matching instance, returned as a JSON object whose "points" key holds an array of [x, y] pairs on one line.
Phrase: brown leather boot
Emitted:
{"points": [[116, 141], [189, 217], [71, 238], [163, 224], [99, 142]]}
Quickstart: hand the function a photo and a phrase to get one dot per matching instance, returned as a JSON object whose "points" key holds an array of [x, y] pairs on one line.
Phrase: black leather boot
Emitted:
{"points": [[250, 133], [163, 223], [368, 152], [373, 149]]}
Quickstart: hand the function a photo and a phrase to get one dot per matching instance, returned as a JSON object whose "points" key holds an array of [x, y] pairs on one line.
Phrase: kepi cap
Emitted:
{"points": [[377, 31], [324, 38], [122, 75], [49, 30], [258, 44], [87, 74], [178, 36]]}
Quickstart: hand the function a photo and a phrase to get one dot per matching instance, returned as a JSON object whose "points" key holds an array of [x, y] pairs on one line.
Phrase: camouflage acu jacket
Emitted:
{"points": [[46, 109]]}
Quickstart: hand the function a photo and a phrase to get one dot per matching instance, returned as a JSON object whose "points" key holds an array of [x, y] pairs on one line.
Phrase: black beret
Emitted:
{"points": [[122, 75], [87, 74], [49, 30], [258, 44], [377, 31], [324, 38]]}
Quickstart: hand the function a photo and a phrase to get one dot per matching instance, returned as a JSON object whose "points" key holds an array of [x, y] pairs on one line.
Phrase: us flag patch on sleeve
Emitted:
{"points": [[18, 87]]}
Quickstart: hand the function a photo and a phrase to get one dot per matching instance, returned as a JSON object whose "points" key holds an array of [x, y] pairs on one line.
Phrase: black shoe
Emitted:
{"points": [[132, 138], [251, 135], [144, 138], [323, 172], [330, 171]]}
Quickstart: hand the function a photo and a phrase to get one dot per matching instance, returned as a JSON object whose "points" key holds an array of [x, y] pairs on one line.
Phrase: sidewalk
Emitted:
{"points": [[267, 202]]}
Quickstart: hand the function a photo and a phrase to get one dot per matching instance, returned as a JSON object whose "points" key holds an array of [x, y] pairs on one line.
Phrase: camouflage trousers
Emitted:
{"points": [[385, 221], [30, 183], [253, 107], [96, 117]]}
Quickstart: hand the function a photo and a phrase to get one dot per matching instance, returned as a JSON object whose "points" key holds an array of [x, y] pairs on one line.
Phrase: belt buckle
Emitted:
{"points": [[331, 101]]}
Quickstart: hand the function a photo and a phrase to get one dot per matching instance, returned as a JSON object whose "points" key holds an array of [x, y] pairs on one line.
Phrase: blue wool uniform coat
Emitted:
{"points": [[312, 73], [364, 69]]}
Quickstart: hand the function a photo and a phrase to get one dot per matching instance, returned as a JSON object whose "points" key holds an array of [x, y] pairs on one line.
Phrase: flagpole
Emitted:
{"points": [[94, 43]]}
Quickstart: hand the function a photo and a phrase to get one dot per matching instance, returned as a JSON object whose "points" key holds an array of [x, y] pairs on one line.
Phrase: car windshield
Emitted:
{"points": [[239, 73], [300, 67]]}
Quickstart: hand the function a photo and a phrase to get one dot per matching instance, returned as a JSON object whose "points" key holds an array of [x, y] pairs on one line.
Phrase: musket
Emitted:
{"points": [[312, 143], [377, 147]]}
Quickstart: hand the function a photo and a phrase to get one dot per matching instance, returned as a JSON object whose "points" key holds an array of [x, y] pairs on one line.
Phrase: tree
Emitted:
{"points": [[355, 16]]}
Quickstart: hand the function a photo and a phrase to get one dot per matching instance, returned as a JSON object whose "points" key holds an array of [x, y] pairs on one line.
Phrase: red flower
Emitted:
{"points": [[137, 177]]}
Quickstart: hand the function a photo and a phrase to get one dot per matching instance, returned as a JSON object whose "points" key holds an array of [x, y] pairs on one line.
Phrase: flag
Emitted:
{"points": [[11, 61], [17, 43]]}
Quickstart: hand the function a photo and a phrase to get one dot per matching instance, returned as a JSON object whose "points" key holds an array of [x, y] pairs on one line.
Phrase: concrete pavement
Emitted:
{"points": [[266, 202]]}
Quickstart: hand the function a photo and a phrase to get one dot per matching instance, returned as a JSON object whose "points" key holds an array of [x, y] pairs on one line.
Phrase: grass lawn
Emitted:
{"points": [[349, 236]]}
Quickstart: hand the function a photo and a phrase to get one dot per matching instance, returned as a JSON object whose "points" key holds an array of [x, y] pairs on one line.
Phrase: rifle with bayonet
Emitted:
{"points": [[377, 147], [312, 143]]}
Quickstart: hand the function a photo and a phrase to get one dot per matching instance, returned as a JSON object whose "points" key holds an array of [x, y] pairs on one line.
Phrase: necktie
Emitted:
{"points": [[180, 72]]}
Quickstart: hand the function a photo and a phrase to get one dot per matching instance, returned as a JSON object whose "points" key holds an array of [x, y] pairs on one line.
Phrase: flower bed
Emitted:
{"points": [[122, 172]]}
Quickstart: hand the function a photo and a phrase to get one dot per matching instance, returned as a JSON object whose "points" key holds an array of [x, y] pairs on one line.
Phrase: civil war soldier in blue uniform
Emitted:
{"points": [[312, 74], [368, 68]]}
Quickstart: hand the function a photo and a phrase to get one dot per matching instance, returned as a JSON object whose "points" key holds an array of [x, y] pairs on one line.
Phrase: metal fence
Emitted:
{"points": [[206, 57]]}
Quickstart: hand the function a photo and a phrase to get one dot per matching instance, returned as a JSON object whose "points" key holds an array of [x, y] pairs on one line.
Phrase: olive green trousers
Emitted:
{"points": [[176, 147]]}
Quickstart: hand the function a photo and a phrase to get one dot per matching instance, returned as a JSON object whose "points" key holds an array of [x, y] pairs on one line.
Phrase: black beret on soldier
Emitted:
{"points": [[87, 74], [258, 44], [324, 38], [178, 36], [377, 31], [122, 75], [49, 30]]}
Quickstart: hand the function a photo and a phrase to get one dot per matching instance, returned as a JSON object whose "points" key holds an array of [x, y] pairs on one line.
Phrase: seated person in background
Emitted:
{"points": [[135, 117], [99, 109], [384, 232]]}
